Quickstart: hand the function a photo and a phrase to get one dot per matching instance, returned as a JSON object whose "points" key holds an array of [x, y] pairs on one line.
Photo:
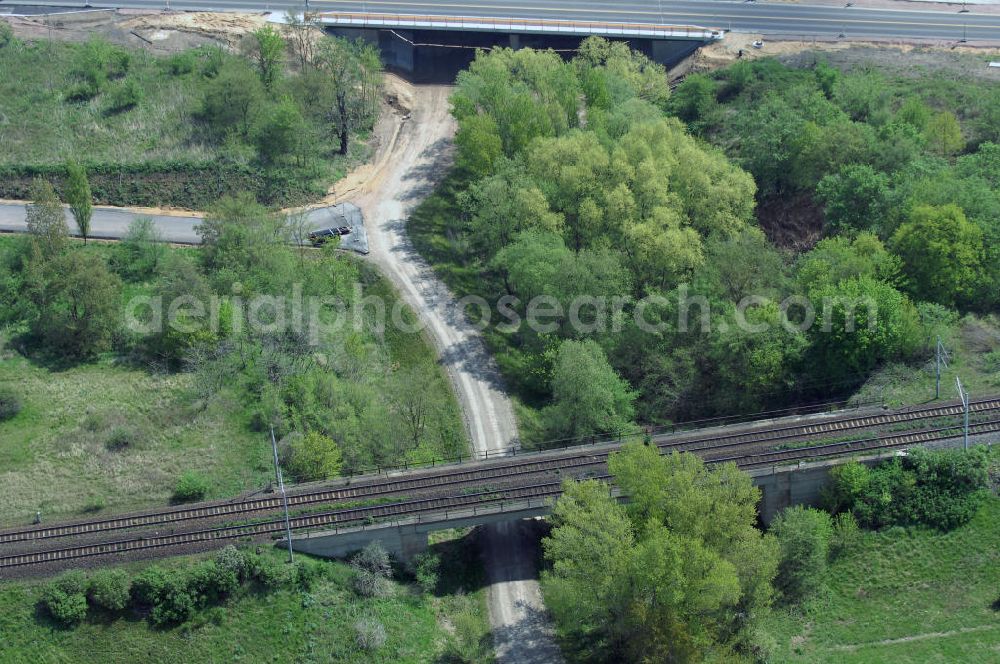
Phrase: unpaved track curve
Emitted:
{"points": [[407, 168]]}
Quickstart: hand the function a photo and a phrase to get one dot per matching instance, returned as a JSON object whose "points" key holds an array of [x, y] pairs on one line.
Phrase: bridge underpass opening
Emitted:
{"points": [[437, 56]]}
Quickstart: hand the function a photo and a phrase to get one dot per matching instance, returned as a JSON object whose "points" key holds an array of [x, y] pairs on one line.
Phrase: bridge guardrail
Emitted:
{"points": [[534, 25]]}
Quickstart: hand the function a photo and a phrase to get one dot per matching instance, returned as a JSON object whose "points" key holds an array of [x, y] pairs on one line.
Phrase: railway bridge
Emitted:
{"points": [[788, 457]]}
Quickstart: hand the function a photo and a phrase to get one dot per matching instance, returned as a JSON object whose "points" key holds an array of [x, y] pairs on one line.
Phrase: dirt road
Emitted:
{"points": [[414, 157]]}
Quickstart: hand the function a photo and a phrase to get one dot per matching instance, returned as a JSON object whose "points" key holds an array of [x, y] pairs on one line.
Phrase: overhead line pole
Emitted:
{"points": [[964, 396], [284, 497]]}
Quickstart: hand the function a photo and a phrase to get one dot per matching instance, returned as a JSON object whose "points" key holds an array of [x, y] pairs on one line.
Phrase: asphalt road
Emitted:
{"points": [[110, 223], [773, 18]]}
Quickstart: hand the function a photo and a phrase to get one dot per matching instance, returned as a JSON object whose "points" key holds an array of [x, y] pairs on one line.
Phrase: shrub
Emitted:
{"points": [[373, 558], [110, 589], [124, 96], [804, 538], [370, 634], [81, 92], [845, 533], [64, 599], [942, 489], [208, 583], [190, 486], [175, 605], [181, 63], [10, 404], [121, 438], [139, 254], [233, 560], [426, 571], [66, 609], [268, 572], [368, 584], [150, 585], [312, 457], [6, 34]]}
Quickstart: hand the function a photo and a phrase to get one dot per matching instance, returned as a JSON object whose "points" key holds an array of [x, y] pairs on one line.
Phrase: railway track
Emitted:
{"points": [[508, 469], [415, 508]]}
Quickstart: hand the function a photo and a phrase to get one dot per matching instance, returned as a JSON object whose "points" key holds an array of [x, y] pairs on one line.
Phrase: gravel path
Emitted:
{"points": [[415, 158]]}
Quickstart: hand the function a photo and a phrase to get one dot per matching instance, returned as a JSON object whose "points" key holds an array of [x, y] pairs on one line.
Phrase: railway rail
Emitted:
{"points": [[508, 469], [418, 507]]}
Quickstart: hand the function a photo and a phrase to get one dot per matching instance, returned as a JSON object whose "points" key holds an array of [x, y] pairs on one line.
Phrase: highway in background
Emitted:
{"points": [[766, 18]]}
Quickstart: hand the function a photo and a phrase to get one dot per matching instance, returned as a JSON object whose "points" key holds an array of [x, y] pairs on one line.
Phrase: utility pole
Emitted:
{"points": [[964, 396], [284, 498], [940, 359]]}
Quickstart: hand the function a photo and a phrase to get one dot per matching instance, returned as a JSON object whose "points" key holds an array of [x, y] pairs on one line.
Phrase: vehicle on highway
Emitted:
{"points": [[320, 236]]}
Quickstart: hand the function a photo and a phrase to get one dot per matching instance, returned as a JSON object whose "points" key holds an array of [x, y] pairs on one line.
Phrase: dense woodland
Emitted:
{"points": [[588, 177]]}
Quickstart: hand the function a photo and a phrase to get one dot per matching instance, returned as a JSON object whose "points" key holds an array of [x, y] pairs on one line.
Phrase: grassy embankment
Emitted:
{"points": [[449, 625], [905, 596]]}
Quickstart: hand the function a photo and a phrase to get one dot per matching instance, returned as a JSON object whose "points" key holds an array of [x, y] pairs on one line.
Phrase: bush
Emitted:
{"points": [[10, 404], [139, 254], [121, 438], [124, 96], [368, 584], [268, 572], [109, 589], [233, 560], [175, 605], [804, 539], [373, 558], [64, 599], [370, 634], [209, 583], [181, 63], [6, 34], [81, 92], [426, 571], [66, 609], [942, 489], [150, 585], [190, 486], [845, 533]]}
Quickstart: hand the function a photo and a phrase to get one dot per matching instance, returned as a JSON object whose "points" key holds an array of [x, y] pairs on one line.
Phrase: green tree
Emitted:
{"points": [[232, 100], [243, 242], [855, 198], [479, 145], [79, 306], [588, 396], [266, 47], [280, 131], [835, 259], [943, 134], [355, 70], [654, 580], [942, 254], [694, 98], [78, 197], [313, 456], [804, 537], [859, 324], [46, 220]]}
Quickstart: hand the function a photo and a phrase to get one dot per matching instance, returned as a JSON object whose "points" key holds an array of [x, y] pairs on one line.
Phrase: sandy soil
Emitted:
{"points": [[971, 59]]}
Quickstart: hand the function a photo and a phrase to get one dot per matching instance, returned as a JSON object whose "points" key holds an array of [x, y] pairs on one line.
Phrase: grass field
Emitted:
{"points": [[905, 596], [283, 626]]}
